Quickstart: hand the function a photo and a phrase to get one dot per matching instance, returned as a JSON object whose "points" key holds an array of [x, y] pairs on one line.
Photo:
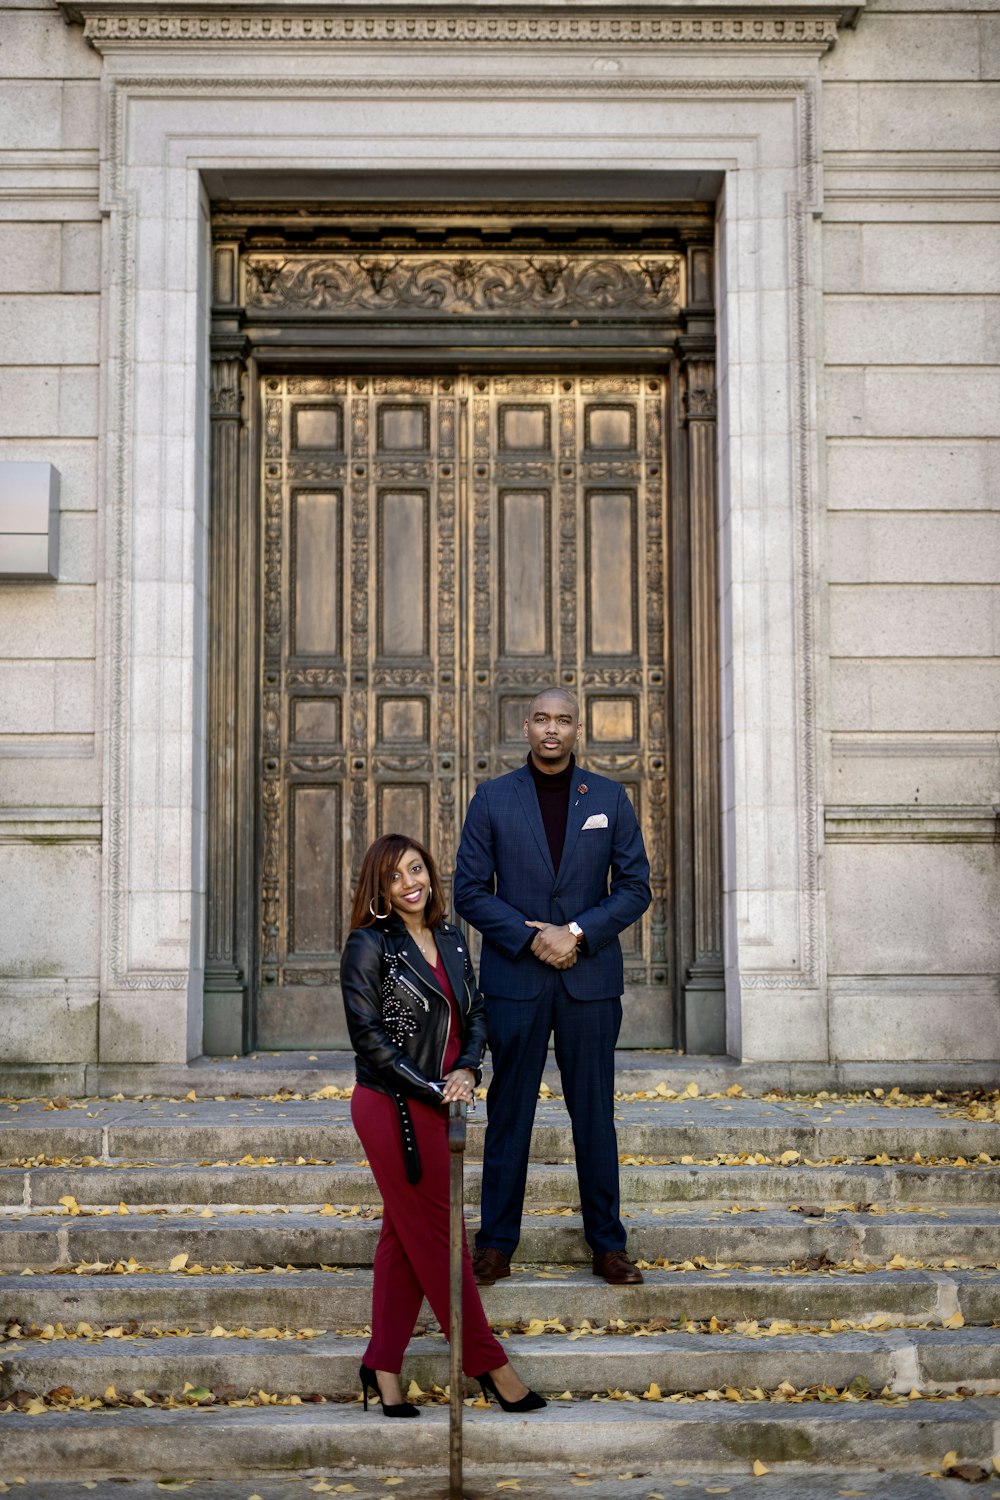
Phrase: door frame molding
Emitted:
{"points": [[679, 348]]}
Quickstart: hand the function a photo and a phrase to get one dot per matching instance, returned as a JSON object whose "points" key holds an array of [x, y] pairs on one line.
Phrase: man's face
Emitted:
{"points": [[552, 727]]}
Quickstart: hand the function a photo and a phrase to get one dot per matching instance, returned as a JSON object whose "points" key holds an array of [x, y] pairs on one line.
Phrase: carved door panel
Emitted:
{"points": [[434, 548], [567, 566], [358, 725]]}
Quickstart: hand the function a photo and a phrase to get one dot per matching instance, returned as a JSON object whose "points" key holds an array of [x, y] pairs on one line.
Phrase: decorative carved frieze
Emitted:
{"points": [[505, 285], [206, 23]]}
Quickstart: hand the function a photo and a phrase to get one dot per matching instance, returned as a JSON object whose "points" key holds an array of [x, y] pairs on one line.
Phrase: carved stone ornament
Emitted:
{"points": [[812, 25], [508, 286]]}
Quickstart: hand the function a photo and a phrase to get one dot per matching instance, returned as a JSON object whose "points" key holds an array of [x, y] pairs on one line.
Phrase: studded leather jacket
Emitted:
{"points": [[397, 1017]]}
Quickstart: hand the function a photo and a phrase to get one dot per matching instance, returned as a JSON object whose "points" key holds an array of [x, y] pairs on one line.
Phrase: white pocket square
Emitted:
{"points": [[596, 820]]}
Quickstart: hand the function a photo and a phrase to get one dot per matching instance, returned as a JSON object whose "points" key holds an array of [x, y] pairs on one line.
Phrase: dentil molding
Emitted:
{"points": [[809, 25]]}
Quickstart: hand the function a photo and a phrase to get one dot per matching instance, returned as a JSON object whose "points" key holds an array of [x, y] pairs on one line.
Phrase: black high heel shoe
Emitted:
{"points": [[369, 1382], [531, 1402]]}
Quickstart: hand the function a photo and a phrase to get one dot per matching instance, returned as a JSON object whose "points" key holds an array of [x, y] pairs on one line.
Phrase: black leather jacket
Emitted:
{"points": [[397, 1017]]}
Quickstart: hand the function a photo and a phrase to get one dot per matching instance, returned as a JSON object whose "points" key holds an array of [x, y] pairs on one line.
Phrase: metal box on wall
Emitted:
{"points": [[29, 520]]}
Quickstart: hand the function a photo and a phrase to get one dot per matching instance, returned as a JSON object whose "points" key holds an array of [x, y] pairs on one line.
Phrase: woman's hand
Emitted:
{"points": [[459, 1085]]}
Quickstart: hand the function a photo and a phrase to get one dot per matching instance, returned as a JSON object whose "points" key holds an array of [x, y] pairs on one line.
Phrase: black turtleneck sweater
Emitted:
{"points": [[553, 803]]}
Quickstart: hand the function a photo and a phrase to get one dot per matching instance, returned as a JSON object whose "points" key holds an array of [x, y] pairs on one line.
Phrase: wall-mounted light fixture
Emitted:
{"points": [[29, 520]]}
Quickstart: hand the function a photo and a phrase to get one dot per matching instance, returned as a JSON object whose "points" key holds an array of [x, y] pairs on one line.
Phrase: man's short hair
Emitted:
{"points": [[555, 692]]}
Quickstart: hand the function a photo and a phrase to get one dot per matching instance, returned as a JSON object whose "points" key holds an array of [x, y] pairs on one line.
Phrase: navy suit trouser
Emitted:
{"points": [[585, 1033]]}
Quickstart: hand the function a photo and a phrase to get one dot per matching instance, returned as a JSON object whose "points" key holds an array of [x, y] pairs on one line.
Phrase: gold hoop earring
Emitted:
{"points": [[380, 916]]}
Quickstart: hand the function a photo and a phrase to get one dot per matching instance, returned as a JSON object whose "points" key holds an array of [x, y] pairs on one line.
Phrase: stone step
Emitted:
{"points": [[342, 1298], [783, 1483], [730, 1233], [265, 1073], [719, 1437], [192, 1131], [548, 1183], [928, 1360]]}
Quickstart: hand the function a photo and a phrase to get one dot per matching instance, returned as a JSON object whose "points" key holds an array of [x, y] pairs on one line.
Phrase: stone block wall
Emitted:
{"points": [[908, 392], [50, 350], [911, 391]]}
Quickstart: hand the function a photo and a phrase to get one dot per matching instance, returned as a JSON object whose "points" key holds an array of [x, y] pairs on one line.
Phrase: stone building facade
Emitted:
{"points": [[216, 231]]}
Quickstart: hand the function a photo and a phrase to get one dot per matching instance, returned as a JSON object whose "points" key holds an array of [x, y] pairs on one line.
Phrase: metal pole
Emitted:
{"points": [[456, 1146]]}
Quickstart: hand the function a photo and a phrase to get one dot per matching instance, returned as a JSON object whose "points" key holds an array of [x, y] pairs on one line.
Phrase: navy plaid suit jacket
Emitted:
{"points": [[504, 876]]}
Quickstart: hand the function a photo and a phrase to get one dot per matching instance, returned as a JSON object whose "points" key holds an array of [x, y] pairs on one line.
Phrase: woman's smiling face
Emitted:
{"points": [[410, 886]]}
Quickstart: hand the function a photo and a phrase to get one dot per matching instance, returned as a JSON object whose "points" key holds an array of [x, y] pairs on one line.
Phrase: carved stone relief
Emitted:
{"points": [[510, 285]]}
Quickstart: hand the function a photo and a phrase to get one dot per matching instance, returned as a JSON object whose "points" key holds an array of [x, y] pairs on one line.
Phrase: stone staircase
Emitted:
{"points": [[821, 1299]]}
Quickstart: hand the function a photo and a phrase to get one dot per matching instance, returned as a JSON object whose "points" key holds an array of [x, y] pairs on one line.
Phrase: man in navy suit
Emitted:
{"points": [[550, 869]]}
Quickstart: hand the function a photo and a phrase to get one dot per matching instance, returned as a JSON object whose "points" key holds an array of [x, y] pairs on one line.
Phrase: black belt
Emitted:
{"points": [[411, 1153]]}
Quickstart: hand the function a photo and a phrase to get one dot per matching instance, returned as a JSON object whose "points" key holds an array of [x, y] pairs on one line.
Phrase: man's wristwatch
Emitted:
{"points": [[577, 932]]}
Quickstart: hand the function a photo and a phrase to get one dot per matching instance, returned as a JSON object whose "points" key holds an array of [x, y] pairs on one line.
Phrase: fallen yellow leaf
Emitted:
{"points": [[179, 1261], [759, 1468], [70, 1204], [189, 1098], [955, 1321]]}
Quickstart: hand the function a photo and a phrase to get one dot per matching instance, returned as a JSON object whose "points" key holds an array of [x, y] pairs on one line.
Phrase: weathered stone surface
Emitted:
{"points": [[907, 47], [51, 330], [824, 1484], [342, 1298], [926, 1016], [883, 402], [933, 916], [913, 474], [328, 1362], [30, 256], [45, 1018], [609, 1436], [921, 696], [925, 548], [680, 1211], [54, 890], [873, 620]]}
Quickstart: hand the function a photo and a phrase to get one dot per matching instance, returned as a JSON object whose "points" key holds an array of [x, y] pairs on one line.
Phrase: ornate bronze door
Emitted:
{"points": [[434, 549]]}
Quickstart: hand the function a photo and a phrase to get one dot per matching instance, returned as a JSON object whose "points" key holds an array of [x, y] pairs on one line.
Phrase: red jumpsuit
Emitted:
{"points": [[412, 1258]]}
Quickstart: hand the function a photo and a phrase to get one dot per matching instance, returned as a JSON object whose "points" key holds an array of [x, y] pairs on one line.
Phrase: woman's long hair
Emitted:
{"points": [[375, 880]]}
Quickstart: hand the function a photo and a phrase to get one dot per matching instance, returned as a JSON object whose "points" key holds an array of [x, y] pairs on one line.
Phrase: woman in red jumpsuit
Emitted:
{"points": [[417, 1024]]}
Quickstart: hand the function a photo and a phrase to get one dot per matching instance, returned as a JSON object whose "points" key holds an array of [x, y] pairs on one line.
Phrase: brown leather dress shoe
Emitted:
{"points": [[490, 1265], [616, 1268]]}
